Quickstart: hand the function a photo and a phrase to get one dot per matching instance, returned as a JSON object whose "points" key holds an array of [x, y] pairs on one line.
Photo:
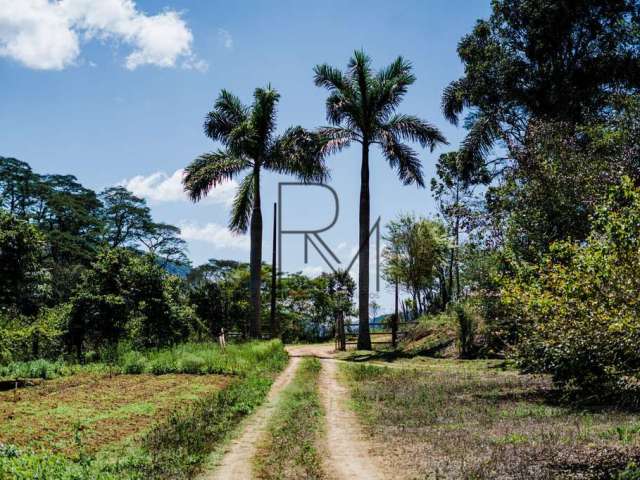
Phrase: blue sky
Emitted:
{"points": [[116, 90]]}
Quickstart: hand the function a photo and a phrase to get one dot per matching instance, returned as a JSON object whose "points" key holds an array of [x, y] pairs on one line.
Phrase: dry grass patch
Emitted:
{"points": [[471, 419]]}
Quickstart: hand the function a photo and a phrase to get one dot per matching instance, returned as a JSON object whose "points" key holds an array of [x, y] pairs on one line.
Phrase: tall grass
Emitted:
{"points": [[177, 447], [194, 358]]}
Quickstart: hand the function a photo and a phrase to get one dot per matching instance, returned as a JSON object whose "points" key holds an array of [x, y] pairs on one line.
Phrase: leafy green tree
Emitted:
{"points": [[19, 186], [212, 271], [415, 257], [211, 303], [163, 241], [542, 59], [457, 204], [578, 307], [24, 282], [340, 288], [361, 108], [70, 217], [248, 135], [565, 172], [128, 295], [127, 217]]}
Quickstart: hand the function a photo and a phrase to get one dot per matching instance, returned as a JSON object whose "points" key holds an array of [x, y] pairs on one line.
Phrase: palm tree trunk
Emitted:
{"points": [[255, 265], [364, 338]]}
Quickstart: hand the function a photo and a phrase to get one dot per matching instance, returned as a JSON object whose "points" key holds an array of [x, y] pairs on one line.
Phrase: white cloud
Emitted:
{"points": [[161, 187], [225, 38], [217, 235], [45, 34], [311, 271]]}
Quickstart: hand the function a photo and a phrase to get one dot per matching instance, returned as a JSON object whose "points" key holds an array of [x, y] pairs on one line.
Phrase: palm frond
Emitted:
{"points": [[409, 127], [330, 78], [390, 86], [263, 115], [228, 112], [298, 152], [403, 159], [334, 139], [209, 170], [454, 100], [242, 205], [484, 131], [341, 109], [359, 68]]}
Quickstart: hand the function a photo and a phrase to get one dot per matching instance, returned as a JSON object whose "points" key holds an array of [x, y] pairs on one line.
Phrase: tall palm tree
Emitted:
{"points": [[361, 108], [249, 140]]}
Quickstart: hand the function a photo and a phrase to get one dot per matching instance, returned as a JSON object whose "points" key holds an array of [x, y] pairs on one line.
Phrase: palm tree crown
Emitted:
{"points": [[361, 107], [250, 143]]}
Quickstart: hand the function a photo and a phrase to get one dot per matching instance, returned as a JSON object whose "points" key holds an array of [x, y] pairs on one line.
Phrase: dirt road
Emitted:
{"points": [[238, 460], [348, 455]]}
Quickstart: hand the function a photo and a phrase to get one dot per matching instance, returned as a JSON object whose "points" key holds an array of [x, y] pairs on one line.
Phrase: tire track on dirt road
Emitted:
{"points": [[237, 462]]}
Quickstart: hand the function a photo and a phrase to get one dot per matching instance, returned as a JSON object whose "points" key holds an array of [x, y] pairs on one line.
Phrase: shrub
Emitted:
{"points": [[134, 363], [34, 369], [467, 327], [578, 309]]}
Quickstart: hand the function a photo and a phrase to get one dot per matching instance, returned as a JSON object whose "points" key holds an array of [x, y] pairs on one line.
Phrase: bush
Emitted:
{"points": [[34, 369], [134, 363], [467, 328], [578, 309]]}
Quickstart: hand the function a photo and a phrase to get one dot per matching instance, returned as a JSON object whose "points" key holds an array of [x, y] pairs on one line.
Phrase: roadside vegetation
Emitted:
{"points": [[100, 425], [290, 450]]}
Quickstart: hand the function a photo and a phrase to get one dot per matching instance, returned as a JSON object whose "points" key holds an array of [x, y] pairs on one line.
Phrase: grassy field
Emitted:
{"points": [[91, 424], [475, 420], [290, 450], [95, 411], [196, 358]]}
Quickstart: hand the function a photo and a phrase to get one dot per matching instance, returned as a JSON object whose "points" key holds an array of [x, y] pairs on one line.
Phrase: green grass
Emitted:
{"points": [[178, 445], [471, 420], [194, 358], [290, 449], [46, 369]]}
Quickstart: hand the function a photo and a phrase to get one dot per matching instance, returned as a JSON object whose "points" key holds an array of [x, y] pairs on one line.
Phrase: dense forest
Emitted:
{"points": [[83, 271]]}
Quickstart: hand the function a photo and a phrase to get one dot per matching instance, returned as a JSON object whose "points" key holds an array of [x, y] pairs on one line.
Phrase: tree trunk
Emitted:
{"points": [[364, 338], [256, 259]]}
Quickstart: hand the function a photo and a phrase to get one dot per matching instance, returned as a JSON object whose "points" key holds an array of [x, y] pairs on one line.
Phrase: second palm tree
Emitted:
{"points": [[361, 108]]}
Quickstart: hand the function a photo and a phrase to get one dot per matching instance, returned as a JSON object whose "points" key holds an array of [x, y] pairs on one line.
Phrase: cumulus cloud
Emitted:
{"points": [[225, 38], [46, 34], [214, 234], [161, 187]]}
